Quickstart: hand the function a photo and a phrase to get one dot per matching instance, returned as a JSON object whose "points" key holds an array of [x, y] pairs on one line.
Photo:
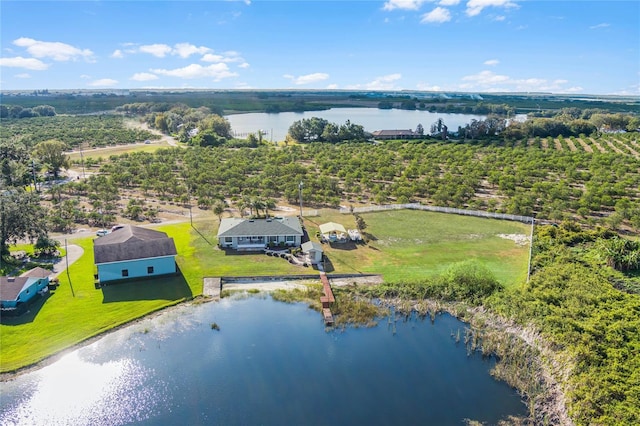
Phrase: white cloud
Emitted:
{"points": [[308, 78], [230, 56], [20, 62], [575, 89], [53, 49], [157, 50], [184, 50], [485, 78], [491, 82], [500, 18], [143, 76], [332, 87], [599, 26], [474, 7], [117, 54], [491, 62], [385, 82], [428, 87], [216, 71], [633, 90], [244, 65], [23, 75], [103, 82], [437, 15], [448, 2], [403, 4]]}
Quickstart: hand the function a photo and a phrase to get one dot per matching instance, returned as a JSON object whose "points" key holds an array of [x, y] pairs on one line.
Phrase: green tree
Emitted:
{"points": [[51, 154], [218, 208], [21, 216]]}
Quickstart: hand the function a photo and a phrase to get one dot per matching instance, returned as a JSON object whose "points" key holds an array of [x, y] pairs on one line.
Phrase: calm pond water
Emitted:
{"points": [[269, 364], [276, 126]]}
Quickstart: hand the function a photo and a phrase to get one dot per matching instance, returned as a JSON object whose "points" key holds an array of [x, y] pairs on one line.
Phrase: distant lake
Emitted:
{"points": [[276, 126], [270, 363]]}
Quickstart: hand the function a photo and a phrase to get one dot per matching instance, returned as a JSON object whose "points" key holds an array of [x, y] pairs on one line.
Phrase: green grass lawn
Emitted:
{"points": [[405, 245], [106, 152]]}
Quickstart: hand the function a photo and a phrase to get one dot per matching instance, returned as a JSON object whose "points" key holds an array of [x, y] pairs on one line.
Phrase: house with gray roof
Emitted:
{"points": [[133, 252], [257, 234], [16, 291], [395, 134]]}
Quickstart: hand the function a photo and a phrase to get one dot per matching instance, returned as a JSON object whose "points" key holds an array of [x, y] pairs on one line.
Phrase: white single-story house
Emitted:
{"points": [[257, 234], [15, 291], [134, 252], [313, 251]]}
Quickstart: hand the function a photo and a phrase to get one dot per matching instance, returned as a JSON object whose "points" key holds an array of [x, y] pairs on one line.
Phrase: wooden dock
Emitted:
{"points": [[212, 287], [327, 299]]}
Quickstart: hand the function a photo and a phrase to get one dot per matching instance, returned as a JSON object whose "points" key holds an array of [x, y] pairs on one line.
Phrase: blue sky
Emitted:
{"points": [[590, 47]]}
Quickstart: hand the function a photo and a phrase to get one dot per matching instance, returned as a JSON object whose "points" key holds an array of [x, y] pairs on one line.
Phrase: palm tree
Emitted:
{"points": [[258, 204], [269, 204], [241, 204]]}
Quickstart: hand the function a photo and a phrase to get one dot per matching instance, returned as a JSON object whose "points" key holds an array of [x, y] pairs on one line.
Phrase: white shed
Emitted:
{"points": [[313, 251]]}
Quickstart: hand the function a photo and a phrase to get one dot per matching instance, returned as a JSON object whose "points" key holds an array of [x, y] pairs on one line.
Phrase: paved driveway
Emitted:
{"points": [[74, 253]]}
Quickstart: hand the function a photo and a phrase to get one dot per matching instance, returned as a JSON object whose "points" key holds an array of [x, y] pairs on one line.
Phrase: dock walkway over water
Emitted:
{"points": [[327, 299]]}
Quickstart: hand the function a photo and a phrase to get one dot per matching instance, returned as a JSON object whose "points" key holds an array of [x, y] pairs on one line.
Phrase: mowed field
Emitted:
{"points": [[403, 246], [408, 245]]}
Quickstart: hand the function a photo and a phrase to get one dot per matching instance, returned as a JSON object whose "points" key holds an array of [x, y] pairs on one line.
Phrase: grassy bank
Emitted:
{"points": [[76, 311], [409, 245]]}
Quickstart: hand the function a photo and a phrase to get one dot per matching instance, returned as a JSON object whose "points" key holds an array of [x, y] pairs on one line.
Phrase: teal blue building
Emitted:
{"points": [[132, 252], [17, 291]]}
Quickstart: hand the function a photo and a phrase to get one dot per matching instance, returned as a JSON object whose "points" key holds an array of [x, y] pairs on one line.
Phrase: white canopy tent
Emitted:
{"points": [[332, 228]]}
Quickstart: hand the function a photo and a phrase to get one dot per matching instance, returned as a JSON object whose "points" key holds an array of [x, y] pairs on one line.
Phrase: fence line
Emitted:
{"points": [[418, 206]]}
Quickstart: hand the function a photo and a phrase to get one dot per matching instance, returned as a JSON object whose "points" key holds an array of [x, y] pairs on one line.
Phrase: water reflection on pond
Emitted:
{"points": [[270, 363], [276, 126]]}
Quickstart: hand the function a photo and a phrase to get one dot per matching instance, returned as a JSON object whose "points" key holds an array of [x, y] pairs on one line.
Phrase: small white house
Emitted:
{"points": [[257, 234], [313, 251], [133, 252]]}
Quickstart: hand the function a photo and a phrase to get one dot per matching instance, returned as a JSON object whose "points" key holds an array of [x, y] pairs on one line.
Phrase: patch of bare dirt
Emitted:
{"points": [[585, 145], [519, 239]]}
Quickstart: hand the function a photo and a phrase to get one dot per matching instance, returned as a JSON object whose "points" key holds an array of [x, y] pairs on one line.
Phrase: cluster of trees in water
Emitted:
{"points": [[316, 129]]}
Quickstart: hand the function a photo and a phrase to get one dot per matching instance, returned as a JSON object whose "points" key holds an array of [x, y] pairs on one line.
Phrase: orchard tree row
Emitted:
{"points": [[73, 131], [549, 184]]}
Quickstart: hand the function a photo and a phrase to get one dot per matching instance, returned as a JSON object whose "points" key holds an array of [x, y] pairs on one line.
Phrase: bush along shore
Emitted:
{"points": [[524, 359]]}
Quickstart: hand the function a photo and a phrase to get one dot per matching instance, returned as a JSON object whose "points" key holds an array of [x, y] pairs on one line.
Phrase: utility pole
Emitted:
{"points": [[73, 293], [530, 250], [33, 173], [300, 193], [82, 162]]}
